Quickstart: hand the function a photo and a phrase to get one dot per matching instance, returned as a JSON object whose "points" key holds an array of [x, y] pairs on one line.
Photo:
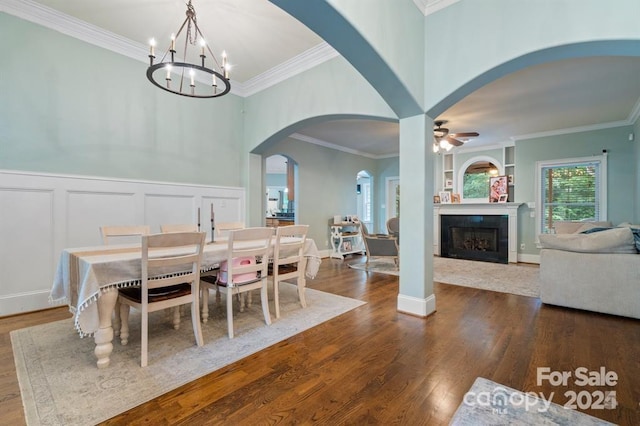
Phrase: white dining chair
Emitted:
{"points": [[246, 269], [123, 233], [223, 228], [159, 290], [289, 263], [179, 227]]}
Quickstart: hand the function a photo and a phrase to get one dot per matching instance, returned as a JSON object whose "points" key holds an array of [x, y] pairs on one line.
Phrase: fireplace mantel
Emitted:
{"points": [[510, 209]]}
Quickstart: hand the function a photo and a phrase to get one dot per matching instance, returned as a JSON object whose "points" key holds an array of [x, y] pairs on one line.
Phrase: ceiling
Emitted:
{"points": [[568, 95]]}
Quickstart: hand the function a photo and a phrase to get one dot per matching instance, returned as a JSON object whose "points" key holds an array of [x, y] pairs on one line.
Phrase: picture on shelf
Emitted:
{"points": [[510, 179], [436, 199], [448, 183], [346, 246], [503, 198], [445, 197], [455, 198], [497, 187]]}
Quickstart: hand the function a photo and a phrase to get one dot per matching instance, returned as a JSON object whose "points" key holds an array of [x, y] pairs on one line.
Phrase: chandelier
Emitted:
{"points": [[180, 76]]}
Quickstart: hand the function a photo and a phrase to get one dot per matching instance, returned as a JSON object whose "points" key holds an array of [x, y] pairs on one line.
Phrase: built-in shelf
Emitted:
{"points": [[447, 172], [509, 170]]}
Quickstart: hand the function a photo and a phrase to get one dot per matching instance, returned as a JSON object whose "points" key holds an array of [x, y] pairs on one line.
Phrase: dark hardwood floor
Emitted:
{"points": [[374, 365]]}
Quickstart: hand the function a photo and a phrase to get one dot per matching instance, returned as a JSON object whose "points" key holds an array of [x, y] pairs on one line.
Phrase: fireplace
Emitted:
{"points": [[475, 237]]}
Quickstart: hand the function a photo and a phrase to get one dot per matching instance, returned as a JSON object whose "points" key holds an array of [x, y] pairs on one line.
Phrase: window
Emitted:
{"points": [[571, 190], [366, 211]]}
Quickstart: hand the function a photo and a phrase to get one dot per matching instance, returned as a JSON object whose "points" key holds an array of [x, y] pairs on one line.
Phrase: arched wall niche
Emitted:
{"points": [[459, 187]]}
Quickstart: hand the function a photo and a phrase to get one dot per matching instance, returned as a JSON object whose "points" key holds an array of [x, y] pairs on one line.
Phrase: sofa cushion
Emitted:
{"points": [[572, 227], [615, 240]]}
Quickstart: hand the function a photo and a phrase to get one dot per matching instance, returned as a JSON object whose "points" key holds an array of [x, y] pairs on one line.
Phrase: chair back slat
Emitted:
{"points": [[289, 245], [163, 266], [179, 227], [121, 232]]}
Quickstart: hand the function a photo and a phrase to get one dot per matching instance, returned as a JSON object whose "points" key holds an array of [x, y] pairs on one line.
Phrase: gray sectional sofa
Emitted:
{"points": [[598, 271]]}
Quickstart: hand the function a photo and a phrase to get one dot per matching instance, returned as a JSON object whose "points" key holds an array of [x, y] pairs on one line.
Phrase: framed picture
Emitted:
{"points": [[347, 245], [497, 187], [445, 197], [502, 198], [436, 199], [448, 183], [455, 198], [510, 179]]}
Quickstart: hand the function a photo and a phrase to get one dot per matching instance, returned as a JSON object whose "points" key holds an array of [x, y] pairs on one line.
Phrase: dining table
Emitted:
{"points": [[87, 279]]}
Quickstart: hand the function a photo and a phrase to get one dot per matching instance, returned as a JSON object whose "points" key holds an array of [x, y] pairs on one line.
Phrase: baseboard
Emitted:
{"points": [[12, 304], [529, 258], [324, 253], [416, 306]]}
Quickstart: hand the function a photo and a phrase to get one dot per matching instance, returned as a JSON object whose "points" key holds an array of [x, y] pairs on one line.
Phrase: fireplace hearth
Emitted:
{"points": [[475, 237]]}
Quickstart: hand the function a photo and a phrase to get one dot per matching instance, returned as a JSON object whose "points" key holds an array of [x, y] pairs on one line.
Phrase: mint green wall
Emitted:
{"points": [[388, 25], [507, 30], [621, 168], [326, 184], [276, 179], [332, 88], [69, 107]]}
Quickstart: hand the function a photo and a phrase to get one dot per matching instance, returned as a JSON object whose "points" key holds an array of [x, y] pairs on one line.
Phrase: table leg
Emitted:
{"points": [[104, 336]]}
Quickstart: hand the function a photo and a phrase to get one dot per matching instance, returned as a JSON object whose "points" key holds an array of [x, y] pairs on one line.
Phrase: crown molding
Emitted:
{"points": [[309, 139], [427, 7], [302, 62], [635, 113], [50, 18], [578, 129]]}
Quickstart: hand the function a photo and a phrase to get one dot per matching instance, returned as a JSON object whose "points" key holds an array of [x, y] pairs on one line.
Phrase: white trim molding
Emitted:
{"points": [[47, 17], [416, 306]]}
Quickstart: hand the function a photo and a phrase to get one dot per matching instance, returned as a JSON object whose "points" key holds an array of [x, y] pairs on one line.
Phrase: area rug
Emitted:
{"points": [[61, 385], [381, 266], [523, 280], [490, 403]]}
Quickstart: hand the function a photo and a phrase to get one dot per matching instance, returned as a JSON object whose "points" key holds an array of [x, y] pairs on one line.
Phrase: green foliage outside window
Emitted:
{"points": [[570, 193], [475, 185]]}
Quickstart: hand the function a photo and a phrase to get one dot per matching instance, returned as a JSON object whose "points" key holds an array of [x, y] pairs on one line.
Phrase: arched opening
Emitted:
{"points": [[281, 176], [473, 178]]}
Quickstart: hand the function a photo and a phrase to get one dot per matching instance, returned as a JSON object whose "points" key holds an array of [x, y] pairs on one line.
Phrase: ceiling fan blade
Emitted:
{"points": [[453, 141], [465, 135]]}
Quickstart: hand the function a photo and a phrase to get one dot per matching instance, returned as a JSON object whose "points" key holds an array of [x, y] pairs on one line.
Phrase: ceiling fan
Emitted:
{"points": [[446, 140]]}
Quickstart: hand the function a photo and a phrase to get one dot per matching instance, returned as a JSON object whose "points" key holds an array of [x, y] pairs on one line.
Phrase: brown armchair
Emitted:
{"points": [[379, 245]]}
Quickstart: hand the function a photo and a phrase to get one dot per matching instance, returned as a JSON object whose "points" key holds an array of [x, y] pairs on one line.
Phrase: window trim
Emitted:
{"points": [[602, 159]]}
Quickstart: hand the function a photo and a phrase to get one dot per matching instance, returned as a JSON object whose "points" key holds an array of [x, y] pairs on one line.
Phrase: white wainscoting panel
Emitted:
{"points": [[41, 214]]}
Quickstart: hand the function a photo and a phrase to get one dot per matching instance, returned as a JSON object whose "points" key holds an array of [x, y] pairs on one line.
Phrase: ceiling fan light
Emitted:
{"points": [[448, 147], [444, 143], [436, 148]]}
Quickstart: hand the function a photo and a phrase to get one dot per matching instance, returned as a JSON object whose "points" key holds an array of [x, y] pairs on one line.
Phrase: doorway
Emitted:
{"points": [[364, 198], [281, 176]]}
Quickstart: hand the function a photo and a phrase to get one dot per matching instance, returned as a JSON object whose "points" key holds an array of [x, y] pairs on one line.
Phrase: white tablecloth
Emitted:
{"points": [[83, 274]]}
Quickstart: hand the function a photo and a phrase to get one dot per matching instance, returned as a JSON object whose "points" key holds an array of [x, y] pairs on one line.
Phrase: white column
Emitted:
{"points": [[416, 217]]}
